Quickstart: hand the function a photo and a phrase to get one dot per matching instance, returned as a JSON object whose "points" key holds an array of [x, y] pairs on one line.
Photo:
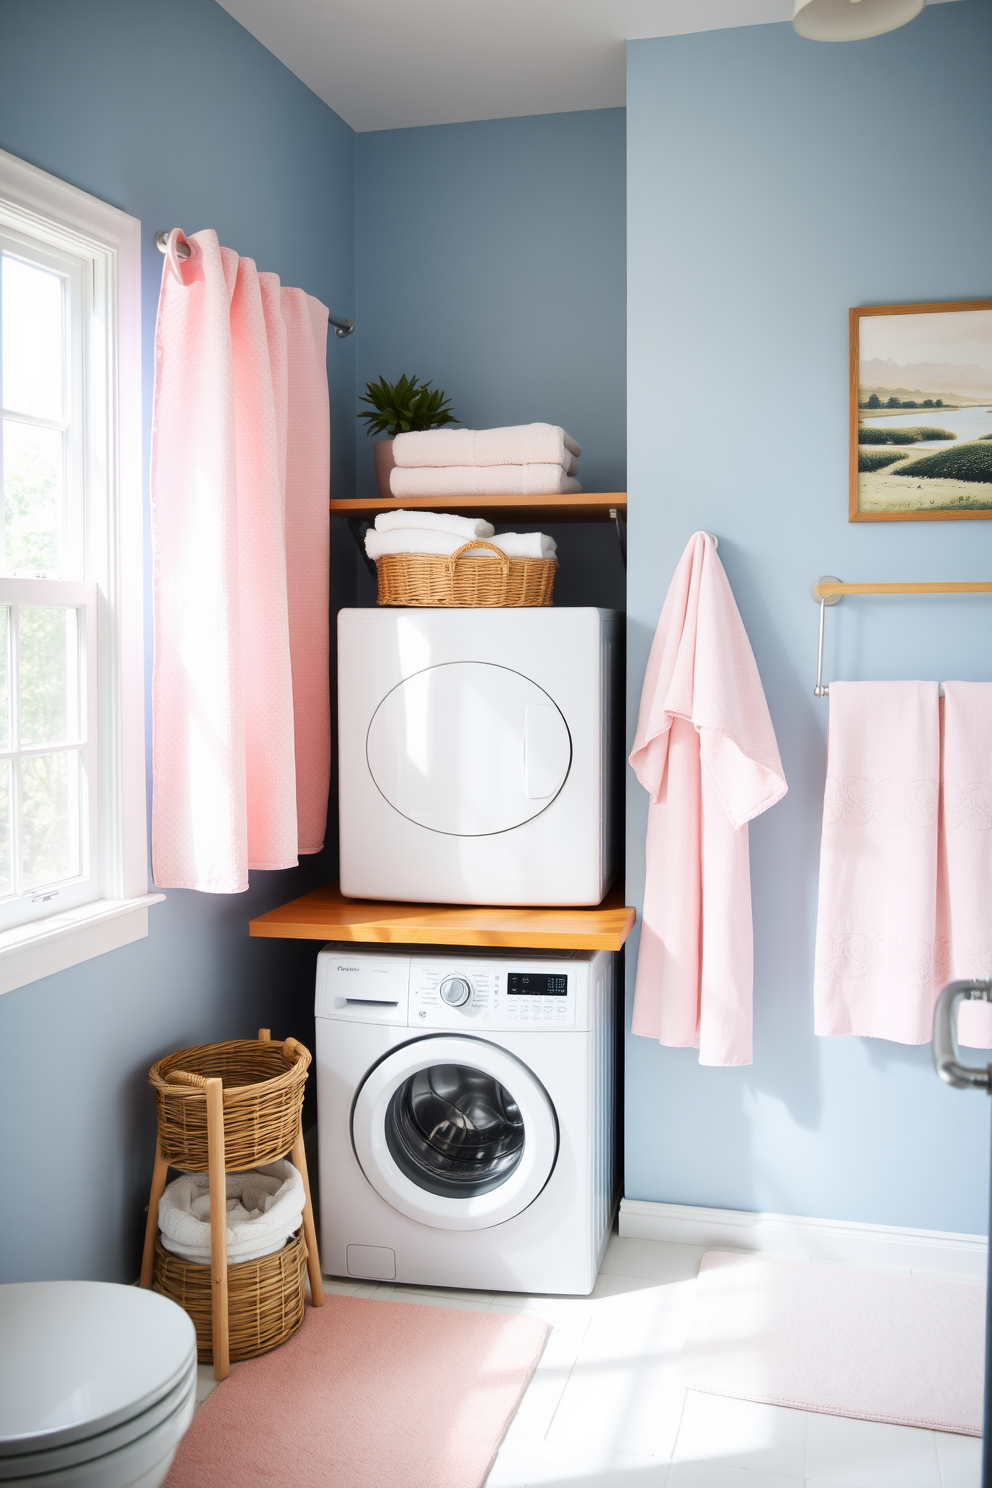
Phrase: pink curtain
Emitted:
{"points": [[239, 490]]}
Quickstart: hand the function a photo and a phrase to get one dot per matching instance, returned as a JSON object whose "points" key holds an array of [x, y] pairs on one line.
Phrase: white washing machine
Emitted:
{"points": [[466, 1116], [477, 754]]}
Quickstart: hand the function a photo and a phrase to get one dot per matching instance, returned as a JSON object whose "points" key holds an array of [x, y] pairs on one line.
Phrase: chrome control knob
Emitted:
{"points": [[455, 991]]}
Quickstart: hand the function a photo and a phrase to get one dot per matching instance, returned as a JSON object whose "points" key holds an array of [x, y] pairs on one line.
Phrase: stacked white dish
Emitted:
{"points": [[97, 1384]]}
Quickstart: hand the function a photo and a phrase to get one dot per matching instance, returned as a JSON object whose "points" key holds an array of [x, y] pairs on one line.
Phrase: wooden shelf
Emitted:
{"points": [[325, 914], [587, 506]]}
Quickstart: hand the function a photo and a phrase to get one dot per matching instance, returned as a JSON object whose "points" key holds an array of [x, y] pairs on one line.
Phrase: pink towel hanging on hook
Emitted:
{"points": [[705, 750], [238, 527]]}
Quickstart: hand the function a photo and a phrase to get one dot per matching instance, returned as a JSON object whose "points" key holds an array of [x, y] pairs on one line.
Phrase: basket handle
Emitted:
{"points": [[183, 1077], [292, 1050], [478, 543]]}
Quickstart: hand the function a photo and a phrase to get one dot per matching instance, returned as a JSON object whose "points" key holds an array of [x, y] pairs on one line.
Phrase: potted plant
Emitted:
{"points": [[399, 408]]}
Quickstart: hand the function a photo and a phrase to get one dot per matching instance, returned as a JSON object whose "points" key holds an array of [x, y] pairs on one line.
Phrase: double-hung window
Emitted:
{"points": [[73, 875]]}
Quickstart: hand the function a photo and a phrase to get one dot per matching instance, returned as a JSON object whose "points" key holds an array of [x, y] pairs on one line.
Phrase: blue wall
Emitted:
{"points": [[762, 204], [172, 112], [491, 261], [772, 183]]}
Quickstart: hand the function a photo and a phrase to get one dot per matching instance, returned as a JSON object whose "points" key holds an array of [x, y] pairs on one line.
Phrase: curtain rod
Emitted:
{"points": [[829, 591], [342, 328]]}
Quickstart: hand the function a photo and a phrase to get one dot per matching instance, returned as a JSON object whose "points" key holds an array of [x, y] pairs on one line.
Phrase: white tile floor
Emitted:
{"points": [[605, 1408]]}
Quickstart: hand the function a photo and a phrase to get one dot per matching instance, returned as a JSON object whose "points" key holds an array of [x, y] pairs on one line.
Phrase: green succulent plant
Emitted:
{"points": [[399, 408]]}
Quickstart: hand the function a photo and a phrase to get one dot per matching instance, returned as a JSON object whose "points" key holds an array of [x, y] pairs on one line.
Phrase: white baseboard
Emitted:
{"points": [[839, 1240]]}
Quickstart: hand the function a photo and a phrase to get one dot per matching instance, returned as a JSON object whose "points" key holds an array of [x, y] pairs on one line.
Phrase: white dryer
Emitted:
{"points": [[466, 1116], [477, 754]]}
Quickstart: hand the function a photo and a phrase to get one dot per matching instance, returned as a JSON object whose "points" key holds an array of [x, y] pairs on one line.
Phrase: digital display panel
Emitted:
{"points": [[536, 984]]}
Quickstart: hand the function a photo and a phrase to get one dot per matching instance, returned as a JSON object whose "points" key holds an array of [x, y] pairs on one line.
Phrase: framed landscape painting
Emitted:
{"points": [[921, 412]]}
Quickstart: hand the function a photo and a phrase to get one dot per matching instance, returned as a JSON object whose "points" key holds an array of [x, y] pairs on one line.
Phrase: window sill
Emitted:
{"points": [[63, 940]]}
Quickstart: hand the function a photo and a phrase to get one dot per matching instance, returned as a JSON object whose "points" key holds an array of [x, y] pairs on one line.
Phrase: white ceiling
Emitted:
{"points": [[391, 64]]}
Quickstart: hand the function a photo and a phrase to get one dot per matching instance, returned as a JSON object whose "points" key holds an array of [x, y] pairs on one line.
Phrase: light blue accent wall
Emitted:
{"points": [[772, 183], [169, 110], [491, 261]]}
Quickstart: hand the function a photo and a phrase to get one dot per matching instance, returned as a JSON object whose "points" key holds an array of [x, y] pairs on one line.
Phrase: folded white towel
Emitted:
{"points": [[482, 480], [569, 462], [419, 540], [520, 444], [525, 545], [264, 1207], [464, 527]]}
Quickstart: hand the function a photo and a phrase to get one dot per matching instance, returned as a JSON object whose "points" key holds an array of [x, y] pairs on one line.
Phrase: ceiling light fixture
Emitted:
{"points": [[851, 20]]}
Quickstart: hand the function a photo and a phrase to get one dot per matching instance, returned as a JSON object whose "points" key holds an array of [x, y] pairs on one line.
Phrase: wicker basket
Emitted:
{"points": [[263, 1100], [264, 1298], [428, 580]]}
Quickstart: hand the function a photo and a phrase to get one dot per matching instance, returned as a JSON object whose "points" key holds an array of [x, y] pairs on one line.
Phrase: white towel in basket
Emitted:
{"points": [[264, 1207], [463, 527], [420, 540]]}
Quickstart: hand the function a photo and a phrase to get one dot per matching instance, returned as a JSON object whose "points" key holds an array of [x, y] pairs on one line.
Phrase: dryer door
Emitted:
{"points": [[468, 748], [455, 1132]]}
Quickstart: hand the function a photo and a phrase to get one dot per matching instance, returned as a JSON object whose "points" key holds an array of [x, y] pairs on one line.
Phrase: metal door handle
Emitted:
{"points": [[945, 1049]]}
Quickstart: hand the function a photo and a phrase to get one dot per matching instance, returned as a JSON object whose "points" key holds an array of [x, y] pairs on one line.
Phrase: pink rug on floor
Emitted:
{"points": [[876, 1345], [366, 1395]]}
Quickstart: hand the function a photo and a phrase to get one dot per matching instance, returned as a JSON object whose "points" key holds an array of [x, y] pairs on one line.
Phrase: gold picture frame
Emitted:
{"points": [[921, 391]]}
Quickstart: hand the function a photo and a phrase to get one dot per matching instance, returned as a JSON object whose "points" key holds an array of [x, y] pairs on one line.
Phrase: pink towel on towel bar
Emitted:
{"points": [[875, 969], [705, 750], [964, 863], [231, 346]]}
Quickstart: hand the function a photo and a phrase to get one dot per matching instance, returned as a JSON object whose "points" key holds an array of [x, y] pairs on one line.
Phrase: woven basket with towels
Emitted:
{"points": [[440, 560], [459, 580]]}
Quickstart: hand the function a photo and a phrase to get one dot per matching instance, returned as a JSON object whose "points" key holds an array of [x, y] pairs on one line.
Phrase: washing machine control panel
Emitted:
{"points": [[498, 996]]}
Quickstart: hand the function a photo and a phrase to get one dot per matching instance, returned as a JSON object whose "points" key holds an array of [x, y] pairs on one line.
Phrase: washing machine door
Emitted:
{"points": [[455, 1132]]}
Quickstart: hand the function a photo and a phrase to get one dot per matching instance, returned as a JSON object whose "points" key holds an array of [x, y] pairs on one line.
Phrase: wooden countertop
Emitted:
{"points": [[325, 914]]}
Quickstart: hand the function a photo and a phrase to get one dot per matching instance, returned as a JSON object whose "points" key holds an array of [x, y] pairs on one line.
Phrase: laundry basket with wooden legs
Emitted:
{"points": [[227, 1108]]}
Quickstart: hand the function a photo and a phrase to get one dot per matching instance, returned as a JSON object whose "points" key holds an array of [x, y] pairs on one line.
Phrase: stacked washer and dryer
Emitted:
{"points": [[466, 1098]]}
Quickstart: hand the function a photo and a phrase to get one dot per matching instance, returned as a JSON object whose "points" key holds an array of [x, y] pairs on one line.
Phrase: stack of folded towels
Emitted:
{"points": [[437, 532], [525, 460]]}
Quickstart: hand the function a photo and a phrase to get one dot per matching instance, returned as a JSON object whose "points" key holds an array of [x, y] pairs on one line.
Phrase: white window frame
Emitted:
{"points": [[50, 212], [84, 735], [75, 418]]}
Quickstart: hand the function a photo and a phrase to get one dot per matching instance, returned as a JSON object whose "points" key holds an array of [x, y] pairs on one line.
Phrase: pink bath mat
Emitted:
{"points": [[366, 1395], [877, 1345]]}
